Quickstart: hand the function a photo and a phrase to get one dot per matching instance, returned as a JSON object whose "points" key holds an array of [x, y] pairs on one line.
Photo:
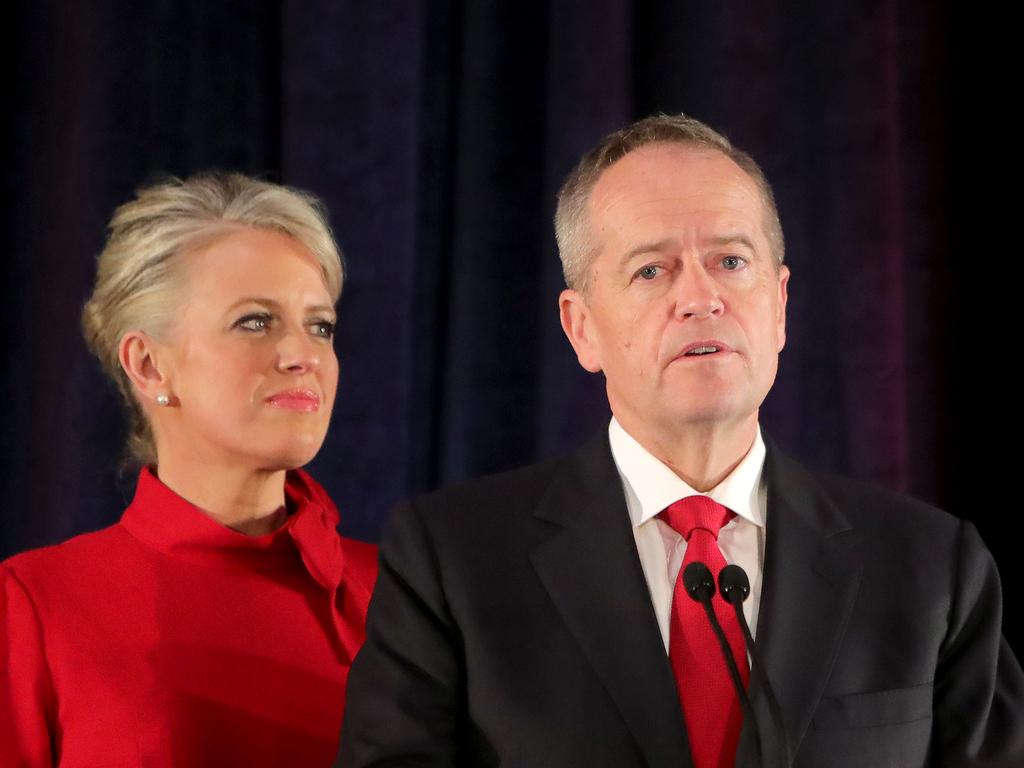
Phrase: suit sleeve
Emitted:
{"points": [[979, 685], [26, 693], [405, 685]]}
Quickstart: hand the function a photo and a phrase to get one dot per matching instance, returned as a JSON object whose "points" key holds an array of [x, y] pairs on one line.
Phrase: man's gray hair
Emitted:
{"points": [[572, 226]]}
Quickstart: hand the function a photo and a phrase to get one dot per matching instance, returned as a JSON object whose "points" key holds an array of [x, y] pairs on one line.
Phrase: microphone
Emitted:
{"points": [[699, 582], [700, 586], [735, 588]]}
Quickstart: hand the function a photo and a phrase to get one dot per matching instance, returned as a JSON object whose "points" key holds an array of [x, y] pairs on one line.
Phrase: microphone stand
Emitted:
{"points": [[700, 586], [735, 587]]}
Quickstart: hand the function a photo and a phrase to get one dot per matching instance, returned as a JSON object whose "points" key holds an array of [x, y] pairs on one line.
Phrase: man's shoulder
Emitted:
{"points": [[514, 504], [872, 508], [504, 492]]}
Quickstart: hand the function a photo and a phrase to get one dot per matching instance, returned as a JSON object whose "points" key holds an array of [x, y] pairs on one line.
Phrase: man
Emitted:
{"points": [[538, 618]]}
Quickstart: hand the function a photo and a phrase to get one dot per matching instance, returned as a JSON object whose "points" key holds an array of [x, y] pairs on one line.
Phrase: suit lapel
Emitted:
{"points": [[812, 575], [592, 572]]}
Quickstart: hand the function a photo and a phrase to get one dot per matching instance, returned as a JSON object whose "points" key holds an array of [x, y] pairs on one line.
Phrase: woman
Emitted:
{"points": [[214, 625]]}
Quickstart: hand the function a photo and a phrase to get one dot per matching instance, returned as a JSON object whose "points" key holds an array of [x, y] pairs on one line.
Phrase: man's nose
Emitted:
{"points": [[298, 352], [697, 294]]}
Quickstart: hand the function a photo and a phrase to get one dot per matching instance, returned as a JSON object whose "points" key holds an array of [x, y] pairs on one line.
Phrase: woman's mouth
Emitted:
{"points": [[302, 400]]}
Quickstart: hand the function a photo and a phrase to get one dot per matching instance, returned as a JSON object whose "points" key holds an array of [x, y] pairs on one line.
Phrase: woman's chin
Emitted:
{"points": [[290, 454], [295, 457]]}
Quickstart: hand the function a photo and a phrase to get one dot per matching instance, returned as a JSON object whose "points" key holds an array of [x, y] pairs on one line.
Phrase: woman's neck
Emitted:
{"points": [[246, 500]]}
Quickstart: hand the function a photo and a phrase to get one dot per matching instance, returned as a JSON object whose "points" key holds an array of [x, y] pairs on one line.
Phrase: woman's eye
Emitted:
{"points": [[323, 328], [648, 272], [259, 322]]}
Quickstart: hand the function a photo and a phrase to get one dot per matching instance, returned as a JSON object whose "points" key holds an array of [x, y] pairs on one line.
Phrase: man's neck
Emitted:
{"points": [[701, 454]]}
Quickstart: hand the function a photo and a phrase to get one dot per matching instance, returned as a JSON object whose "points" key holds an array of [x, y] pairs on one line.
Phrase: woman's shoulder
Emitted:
{"points": [[35, 569], [360, 561], [361, 554]]}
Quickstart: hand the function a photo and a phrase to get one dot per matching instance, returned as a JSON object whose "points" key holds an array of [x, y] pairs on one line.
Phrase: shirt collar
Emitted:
{"points": [[652, 486], [164, 520]]}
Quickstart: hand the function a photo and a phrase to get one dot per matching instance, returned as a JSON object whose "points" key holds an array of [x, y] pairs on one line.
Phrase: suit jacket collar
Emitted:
{"points": [[592, 572], [591, 569], [812, 573]]}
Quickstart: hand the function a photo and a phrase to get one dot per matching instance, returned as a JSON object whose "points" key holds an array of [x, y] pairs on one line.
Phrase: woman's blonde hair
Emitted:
{"points": [[139, 279]]}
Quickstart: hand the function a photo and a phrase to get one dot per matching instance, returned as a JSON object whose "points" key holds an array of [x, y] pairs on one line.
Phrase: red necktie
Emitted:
{"points": [[710, 705]]}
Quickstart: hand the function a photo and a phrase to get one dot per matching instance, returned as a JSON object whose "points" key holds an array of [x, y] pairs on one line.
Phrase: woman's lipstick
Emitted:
{"points": [[302, 400]]}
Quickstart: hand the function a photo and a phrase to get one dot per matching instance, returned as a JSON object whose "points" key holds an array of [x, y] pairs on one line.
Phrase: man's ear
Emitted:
{"points": [[577, 324], [780, 321], [139, 355]]}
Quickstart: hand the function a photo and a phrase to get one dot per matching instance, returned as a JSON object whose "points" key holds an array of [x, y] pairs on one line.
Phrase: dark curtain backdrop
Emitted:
{"points": [[438, 132]]}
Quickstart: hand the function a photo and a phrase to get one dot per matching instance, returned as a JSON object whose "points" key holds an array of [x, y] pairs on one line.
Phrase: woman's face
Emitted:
{"points": [[249, 364]]}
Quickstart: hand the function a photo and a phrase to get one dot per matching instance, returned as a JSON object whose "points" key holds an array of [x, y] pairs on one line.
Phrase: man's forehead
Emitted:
{"points": [[663, 185], [673, 166], [666, 180]]}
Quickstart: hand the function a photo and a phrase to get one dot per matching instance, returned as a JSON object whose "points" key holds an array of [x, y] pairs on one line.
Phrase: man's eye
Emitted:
{"points": [[648, 272], [259, 322], [323, 328], [732, 262]]}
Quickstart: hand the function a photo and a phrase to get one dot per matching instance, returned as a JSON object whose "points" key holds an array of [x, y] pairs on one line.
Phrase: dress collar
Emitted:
{"points": [[164, 520]]}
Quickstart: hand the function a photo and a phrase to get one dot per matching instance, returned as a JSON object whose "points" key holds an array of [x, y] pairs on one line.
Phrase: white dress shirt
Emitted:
{"points": [[650, 487]]}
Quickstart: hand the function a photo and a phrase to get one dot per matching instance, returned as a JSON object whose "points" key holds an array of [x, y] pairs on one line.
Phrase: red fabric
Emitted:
{"points": [[710, 705], [170, 640]]}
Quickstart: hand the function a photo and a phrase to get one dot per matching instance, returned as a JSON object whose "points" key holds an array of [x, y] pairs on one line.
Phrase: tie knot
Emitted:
{"points": [[696, 512]]}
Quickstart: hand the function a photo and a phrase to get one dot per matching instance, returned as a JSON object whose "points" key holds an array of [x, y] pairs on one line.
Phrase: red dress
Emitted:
{"points": [[170, 640]]}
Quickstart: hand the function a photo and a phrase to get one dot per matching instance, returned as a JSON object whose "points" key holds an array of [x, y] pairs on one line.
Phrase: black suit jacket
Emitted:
{"points": [[512, 626]]}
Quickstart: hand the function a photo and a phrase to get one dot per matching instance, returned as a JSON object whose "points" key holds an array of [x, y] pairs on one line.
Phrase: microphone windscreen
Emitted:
{"points": [[732, 580], [699, 583]]}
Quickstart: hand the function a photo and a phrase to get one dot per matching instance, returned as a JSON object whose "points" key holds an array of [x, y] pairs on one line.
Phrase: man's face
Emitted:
{"points": [[685, 309]]}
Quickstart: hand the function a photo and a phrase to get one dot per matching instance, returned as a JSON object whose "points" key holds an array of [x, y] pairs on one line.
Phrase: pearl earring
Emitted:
{"points": [[163, 400]]}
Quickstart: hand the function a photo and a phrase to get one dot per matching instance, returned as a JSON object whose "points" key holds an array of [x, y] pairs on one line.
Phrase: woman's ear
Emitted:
{"points": [[140, 358]]}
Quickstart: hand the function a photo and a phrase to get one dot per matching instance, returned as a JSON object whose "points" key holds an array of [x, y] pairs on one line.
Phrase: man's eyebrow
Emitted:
{"points": [[655, 246], [651, 247], [721, 240]]}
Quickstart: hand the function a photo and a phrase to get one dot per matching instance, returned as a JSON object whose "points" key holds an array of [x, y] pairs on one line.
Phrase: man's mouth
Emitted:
{"points": [[703, 350]]}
